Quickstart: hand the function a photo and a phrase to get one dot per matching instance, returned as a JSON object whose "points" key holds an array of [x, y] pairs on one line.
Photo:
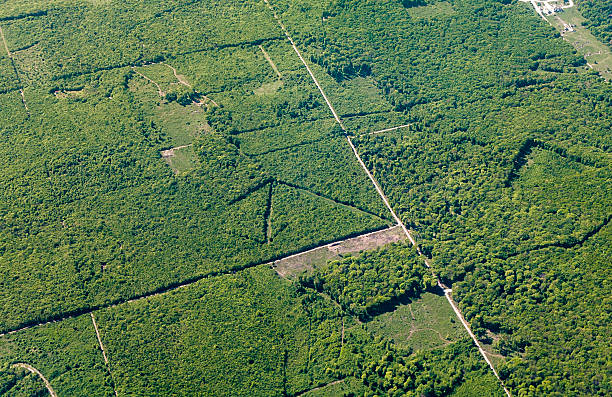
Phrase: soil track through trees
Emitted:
{"points": [[159, 90], [267, 56], [447, 291], [33, 370], [10, 56], [389, 129], [95, 325]]}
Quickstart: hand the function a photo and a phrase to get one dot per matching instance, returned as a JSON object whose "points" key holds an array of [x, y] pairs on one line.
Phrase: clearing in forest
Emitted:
{"points": [[293, 265]]}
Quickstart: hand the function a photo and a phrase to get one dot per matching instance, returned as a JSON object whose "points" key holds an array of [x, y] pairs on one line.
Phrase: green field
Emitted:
{"points": [[597, 54], [163, 162]]}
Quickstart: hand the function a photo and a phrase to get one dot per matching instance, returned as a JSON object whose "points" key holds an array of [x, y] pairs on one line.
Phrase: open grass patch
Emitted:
{"points": [[425, 323]]}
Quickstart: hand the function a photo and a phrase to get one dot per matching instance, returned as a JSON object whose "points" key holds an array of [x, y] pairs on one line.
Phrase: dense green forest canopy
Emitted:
{"points": [[599, 16], [158, 155]]}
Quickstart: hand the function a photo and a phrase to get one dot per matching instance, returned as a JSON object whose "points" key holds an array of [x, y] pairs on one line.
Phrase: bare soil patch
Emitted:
{"points": [[294, 265]]}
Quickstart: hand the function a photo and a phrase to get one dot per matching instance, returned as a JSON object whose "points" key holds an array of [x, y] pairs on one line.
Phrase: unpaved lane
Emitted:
{"points": [[272, 64], [181, 79], [93, 320], [10, 56], [384, 197], [389, 129], [5, 45], [159, 90], [40, 375]]}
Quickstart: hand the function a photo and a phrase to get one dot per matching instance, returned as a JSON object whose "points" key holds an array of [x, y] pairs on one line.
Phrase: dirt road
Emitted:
{"points": [[93, 320], [384, 197], [36, 372]]}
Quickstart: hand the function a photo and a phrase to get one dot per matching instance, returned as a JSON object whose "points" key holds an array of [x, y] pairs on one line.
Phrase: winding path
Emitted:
{"points": [[40, 375], [386, 201], [159, 90]]}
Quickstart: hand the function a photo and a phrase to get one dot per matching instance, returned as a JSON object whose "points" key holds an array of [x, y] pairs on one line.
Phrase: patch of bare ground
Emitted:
{"points": [[167, 154], [320, 387], [294, 265]]}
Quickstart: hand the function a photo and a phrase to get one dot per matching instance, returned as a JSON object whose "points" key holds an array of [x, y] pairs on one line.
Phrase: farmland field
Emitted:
{"points": [[317, 198]]}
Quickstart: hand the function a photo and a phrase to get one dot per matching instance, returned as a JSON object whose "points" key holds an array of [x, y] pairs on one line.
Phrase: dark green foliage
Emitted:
{"points": [[509, 154], [300, 218], [599, 18], [504, 175], [328, 168], [270, 339], [434, 373], [553, 294], [373, 282], [413, 3], [18, 382]]}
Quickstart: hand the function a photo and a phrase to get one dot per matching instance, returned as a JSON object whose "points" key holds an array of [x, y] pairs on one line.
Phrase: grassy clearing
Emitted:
{"points": [[437, 9], [597, 54], [424, 324], [179, 124], [293, 266], [182, 159], [268, 88]]}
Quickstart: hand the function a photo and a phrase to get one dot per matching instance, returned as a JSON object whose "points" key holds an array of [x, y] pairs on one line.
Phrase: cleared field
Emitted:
{"points": [[597, 54], [426, 323], [297, 264]]}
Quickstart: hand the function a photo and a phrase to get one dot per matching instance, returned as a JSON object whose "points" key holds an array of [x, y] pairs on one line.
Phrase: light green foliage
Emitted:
{"points": [[425, 323], [66, 353], [300, 217], [270, 339], [327, 168], [373, 282], [504, 175], [509, 153]]}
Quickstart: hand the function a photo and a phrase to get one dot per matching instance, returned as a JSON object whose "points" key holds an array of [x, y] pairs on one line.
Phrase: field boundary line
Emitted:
{"points": [[95, 325], [185, 283], [33, 370], [389, 129], [386, 201], [337, 202]]}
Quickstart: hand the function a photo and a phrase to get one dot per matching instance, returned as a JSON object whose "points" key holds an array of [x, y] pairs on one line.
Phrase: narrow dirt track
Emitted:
{"points": [[320, 387], [40, 375], [159, 90], [389, 129], [93, 320], [270, 61], [386, 201], [5, 45], [180, 78], [10, 56]]}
